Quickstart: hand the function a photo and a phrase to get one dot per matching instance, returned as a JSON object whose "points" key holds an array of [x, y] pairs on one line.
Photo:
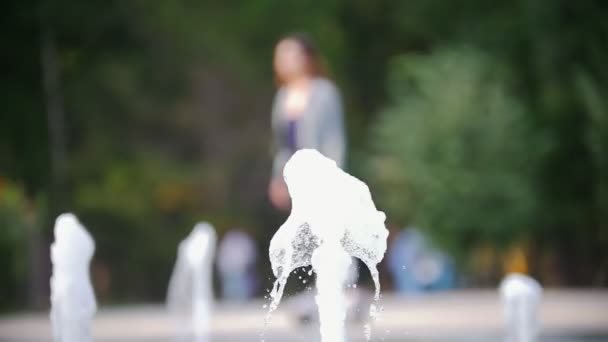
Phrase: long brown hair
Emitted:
{"points": [[316, 64]]}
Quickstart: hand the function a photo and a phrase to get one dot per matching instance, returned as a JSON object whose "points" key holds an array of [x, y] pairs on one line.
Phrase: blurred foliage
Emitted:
{"points": [[543, 182], [17, 223], [159, 117], [454, 153]]}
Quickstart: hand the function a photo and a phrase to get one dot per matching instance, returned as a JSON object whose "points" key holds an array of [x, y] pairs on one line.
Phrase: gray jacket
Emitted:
{"points": [[320, 126]]}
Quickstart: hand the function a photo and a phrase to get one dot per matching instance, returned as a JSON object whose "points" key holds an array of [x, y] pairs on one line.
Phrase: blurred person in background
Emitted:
{"points": [[306, 113], [404, 248], [236, 259], [416, 266]]}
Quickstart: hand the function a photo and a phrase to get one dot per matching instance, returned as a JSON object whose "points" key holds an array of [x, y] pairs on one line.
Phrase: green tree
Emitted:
{"points": [[453, 152]]}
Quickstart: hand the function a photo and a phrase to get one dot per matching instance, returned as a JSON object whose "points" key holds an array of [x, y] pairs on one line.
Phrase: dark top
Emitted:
{"points": [[291, 135]]}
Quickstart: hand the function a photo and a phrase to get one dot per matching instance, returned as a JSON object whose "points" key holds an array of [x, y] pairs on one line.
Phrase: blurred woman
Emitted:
{"points": [[306, 113], [236, 257]]}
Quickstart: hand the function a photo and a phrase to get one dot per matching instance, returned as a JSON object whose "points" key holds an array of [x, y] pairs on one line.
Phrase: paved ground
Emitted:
{"points": [[454, 316]]}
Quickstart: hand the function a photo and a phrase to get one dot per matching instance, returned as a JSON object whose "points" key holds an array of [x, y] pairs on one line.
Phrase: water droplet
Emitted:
{"points": [[299, 244], [367, 332]]}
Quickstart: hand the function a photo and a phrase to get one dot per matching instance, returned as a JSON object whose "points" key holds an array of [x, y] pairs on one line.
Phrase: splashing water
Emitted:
{"points": [[333, 218], [190, 293], [73, 303], [521, 296]]}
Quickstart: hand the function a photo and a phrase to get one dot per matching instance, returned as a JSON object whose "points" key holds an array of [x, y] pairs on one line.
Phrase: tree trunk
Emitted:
{"points": [[39, 259]]}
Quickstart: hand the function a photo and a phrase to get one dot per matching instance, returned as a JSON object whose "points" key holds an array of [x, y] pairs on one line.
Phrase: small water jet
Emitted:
{"points": [[333, 218], [190, 293], [73, 303], [521, 296]]}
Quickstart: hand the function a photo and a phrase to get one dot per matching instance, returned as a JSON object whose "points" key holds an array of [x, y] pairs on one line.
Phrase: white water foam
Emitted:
{"points": [[521, 296], [190, 294], [73, 303], [333, 218]]}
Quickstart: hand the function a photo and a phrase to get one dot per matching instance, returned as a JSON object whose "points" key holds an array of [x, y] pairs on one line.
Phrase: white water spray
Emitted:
{"points": [[73, 303], [521, 297], [190, 294], [333, 217]]}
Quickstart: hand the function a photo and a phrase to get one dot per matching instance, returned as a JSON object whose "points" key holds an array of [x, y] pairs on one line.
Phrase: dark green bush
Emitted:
{"points": [[452, 152]]}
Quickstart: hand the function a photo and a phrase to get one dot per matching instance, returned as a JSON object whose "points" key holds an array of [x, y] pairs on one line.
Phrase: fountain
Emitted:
{"points": [[190, 294], [333, 217], [521, 297], [73, 302]]}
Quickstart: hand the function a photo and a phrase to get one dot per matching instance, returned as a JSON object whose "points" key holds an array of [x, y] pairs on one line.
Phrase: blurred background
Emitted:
{"points": [[482, 124]]}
